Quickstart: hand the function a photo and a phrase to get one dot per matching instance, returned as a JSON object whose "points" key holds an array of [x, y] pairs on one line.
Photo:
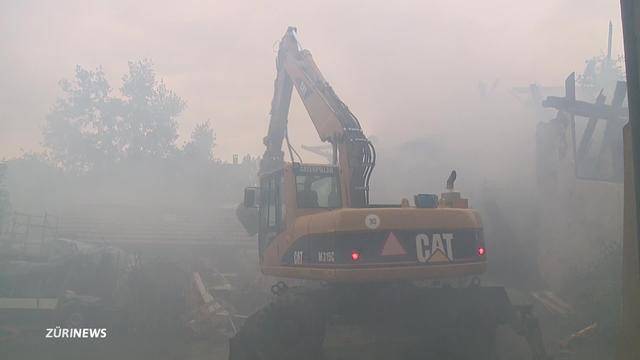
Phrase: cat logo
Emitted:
{"points": [[435, 248]]}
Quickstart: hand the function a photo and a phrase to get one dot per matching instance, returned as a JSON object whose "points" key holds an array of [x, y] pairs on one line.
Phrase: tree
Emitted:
{"points": [[601, 72], [151, 113], [82, 128], [89, 127], [202, 142]]}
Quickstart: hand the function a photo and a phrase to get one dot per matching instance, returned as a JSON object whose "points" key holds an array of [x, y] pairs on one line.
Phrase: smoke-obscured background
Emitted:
{"points": [[400, 66], [115, 109]]}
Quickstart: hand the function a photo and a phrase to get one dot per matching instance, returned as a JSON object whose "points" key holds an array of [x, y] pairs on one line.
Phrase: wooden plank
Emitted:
{"points": [[585, 141], [28, 303], [585, 109]]}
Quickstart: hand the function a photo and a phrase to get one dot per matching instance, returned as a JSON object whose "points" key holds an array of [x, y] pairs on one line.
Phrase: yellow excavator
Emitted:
{"points": [[389, 281]]}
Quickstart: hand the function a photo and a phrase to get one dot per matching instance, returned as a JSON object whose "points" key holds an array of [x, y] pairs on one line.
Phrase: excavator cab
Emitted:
{"points": [[304, 189]]}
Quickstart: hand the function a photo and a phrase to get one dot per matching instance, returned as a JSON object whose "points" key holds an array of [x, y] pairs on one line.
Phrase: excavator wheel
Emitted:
{"points": [[289, 328]]}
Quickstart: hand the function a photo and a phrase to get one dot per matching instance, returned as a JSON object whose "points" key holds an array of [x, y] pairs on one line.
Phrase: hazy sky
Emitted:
{"points": [[401, 66]]}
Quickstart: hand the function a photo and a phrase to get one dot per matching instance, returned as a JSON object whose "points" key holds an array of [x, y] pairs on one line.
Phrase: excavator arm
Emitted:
{"points": [[353, 153]]}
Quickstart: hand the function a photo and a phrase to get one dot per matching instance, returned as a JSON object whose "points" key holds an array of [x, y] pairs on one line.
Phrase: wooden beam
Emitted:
{"points": [[585, 109]]}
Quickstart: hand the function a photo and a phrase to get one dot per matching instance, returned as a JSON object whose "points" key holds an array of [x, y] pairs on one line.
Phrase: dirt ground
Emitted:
{"points": [[173, 343], [32, 345]]}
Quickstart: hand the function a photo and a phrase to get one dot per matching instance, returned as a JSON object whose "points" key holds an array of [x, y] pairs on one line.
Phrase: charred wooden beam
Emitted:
{"points": [[570, 105]]}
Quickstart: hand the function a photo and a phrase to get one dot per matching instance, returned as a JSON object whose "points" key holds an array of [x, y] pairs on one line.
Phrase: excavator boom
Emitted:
{"points": [[352, 152]]}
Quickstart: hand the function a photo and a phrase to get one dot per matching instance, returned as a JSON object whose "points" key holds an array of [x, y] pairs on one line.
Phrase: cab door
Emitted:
{"points": [[270, 214]]}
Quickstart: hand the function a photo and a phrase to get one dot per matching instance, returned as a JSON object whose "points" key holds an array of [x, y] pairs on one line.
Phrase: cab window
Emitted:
{"points": [[270, 207], [317, 191]]}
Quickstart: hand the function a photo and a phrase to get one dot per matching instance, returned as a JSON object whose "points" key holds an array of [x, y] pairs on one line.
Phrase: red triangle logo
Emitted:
{"points": [[392, 246]]}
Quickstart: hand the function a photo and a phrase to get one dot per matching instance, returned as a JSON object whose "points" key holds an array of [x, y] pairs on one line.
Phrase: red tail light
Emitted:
{"points": [[481, 251], [355, 255]]}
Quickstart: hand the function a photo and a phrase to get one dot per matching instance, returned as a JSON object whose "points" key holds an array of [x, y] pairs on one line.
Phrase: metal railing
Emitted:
{"points": [[27, 234]]}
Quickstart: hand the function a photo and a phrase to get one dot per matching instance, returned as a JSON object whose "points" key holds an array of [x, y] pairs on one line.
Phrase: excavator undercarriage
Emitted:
{"points": [[384, 321]]}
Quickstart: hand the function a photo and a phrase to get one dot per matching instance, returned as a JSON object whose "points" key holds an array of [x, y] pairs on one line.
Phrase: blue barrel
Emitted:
{"points": [[426, 200]]}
